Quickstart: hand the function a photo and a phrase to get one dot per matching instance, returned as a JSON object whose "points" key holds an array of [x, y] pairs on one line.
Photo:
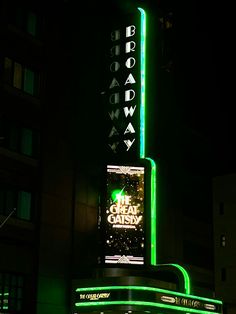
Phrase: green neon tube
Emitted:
{"points": [[153, 212], [143, 303], [187, 284], [142, 152], [143, 135], [144, 288], [143, 81]]}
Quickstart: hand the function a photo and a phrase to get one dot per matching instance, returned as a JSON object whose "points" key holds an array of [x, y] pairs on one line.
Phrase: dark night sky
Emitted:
{"points": [[210, 37], [220, 36]]}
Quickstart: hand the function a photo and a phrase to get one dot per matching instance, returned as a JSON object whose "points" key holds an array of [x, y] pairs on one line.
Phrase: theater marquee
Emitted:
{"points": [[145, 298]]}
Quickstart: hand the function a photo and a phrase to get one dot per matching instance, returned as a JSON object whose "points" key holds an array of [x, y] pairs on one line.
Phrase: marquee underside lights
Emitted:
{"points": [[145, 298]]}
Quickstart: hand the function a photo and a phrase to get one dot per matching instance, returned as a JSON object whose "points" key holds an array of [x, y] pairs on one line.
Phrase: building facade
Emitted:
{"points": [[53, 151], [224, 204]]}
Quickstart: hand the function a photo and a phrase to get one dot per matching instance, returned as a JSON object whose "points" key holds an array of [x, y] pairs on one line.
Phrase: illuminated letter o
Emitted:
{"points": [[130, 63], [114, 67]]}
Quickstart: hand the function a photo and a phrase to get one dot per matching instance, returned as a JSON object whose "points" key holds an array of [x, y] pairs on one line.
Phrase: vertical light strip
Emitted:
{"points": [[143, 135], [153, 218], [143, 81], [153, 213]]}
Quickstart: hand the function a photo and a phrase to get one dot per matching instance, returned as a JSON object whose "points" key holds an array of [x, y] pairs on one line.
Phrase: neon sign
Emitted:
{"points": [[123, 90], [151, 298]]}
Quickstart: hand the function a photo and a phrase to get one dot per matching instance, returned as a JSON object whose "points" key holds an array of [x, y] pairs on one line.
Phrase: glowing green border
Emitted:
{"points": [[153, 212], [153, 258], [143, 81], [187, 284], [144, 303], [142, 136]]}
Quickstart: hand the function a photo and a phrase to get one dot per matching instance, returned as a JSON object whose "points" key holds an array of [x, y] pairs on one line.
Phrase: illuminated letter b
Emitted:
{"points": [[115, 35], [130, 31]]}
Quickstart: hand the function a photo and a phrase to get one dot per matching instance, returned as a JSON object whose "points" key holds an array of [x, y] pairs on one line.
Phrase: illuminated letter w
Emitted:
{"points": [[129, 111], [114, 114]]}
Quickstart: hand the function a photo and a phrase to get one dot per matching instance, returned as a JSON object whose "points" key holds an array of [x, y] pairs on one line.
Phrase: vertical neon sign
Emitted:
{"points": [[143, 136], [153, 217]]}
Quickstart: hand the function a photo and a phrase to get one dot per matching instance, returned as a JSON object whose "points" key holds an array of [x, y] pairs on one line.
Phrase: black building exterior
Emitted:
{"points": [[53, 152]]}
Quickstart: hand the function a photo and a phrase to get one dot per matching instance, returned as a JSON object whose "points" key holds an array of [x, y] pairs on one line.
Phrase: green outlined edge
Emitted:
{"points": [[153, 217], [145, 303], [143, 135]]}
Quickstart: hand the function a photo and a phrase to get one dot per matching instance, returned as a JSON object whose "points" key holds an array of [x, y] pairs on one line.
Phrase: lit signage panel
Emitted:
{"points": [[122, 90], [123, 217], [151, 298]]}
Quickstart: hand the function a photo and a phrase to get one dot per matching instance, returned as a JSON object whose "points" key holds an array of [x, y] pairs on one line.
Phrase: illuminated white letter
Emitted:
{"points": [[130, 31], [130, 46], [114, 67], [115, 35], [114, 114], [130, 79], [115, 50], [114, 83], [114, 98], [129, 95], [114, 146], [128, 143], [113, 132], [129, 111], [129, 63], [129, 129]]}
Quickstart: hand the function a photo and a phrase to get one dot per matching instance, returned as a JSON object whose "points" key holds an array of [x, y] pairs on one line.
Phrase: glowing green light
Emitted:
{"points": [[116, 194], [153, 212], [144, 303], [142, 135], [142, 152], [187, 285], [143, 81], [145, 288], [186, 278]]}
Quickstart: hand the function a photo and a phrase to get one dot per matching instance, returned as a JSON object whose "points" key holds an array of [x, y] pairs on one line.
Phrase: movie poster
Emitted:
{"points": [[124, 215]]}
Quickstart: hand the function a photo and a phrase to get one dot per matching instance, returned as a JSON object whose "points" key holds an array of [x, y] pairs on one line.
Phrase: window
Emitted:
{"points": [[26, 145], [31, 23], [29, 81], [17, 75], [23, 140], [8, 70], [24, 205], [21, 77], [11, 292], [20, 200], [19, 139], [26, 20], [222, 240]]}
